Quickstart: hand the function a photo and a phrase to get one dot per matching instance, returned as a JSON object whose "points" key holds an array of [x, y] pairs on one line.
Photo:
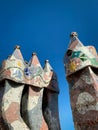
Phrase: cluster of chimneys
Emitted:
{"points": [[28, 94]]}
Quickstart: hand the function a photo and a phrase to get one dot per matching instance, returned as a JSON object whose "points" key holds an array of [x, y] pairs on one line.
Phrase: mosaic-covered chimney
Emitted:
{"points": [[28, 94], [81, 66]]}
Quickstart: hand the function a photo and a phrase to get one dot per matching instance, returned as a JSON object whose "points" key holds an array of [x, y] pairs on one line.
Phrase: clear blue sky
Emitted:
{"points": [[43, 26]]}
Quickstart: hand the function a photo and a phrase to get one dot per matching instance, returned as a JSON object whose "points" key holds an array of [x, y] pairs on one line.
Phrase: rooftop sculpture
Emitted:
{"points": [[28, 94], [81, 66]]}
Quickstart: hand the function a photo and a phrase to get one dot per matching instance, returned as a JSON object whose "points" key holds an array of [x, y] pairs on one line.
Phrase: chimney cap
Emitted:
{"points": [[46, 61], [34, 53], [73, 34], [17, 47]]}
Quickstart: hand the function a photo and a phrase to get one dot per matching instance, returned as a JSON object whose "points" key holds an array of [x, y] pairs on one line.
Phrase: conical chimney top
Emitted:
{"points": [[34, 60], [17, 53], [47, 66]]}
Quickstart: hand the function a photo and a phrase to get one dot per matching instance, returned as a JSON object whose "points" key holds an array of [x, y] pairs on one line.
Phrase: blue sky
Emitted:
{"points": [[43, 26]]}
